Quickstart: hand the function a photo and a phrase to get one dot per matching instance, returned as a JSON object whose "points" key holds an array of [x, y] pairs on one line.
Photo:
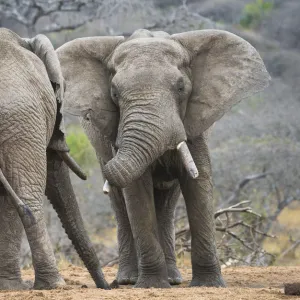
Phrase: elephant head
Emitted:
{"points": [[153, 91]]}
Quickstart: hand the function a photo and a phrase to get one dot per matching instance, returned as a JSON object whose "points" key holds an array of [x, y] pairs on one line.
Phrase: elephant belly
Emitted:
{"points": [[163, 185]]}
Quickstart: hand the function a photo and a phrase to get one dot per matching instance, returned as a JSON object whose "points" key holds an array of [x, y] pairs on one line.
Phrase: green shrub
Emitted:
{"points": [[254, 13], [80, 147]]}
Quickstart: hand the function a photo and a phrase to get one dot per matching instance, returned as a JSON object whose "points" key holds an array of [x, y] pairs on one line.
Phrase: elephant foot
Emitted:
{"points": [[147, 282], [15, 284], [208, 280], [48, 283], [174, 275], [127, 276]]}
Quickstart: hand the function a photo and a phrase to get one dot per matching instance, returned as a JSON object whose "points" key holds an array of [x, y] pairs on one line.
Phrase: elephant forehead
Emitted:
{"points": [[150, 50]]}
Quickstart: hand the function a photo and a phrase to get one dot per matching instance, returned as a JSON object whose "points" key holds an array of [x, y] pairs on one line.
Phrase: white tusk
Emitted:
{"points": [[106, 187], [72, 164], [187, 159]]}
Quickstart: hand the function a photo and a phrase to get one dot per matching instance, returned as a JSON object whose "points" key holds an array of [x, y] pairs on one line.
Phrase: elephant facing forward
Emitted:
{"points": [[33, 160], [146, 103]]}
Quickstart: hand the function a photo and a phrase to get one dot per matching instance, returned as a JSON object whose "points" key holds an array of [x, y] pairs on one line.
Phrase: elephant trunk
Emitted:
{"points": [[142, 140], [130, 163], [61, 195]]}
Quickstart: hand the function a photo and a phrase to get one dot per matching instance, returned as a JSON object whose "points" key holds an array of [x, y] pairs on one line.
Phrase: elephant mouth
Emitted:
{"points": [[186, 158]]}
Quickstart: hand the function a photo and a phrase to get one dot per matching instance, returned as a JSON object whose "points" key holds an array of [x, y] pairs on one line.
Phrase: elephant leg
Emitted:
{"points": [[10, 243], [198, 195], [29, 181], [140, 206], [44, 262], [128, 266], [165, 204]]}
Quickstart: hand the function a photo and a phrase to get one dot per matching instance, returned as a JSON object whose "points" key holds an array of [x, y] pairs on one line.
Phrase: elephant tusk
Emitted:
{"points": [[106, 187], [187, 159], [72, 164]]}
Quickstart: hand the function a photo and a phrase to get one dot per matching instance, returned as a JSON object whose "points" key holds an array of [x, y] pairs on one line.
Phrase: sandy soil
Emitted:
{"points": [[243, 283]]}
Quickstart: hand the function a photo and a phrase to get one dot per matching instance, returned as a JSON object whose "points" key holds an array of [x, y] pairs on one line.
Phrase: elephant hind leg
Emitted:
{"points": [[10, 243], [165, 203], [25, 172], [46, 273]]}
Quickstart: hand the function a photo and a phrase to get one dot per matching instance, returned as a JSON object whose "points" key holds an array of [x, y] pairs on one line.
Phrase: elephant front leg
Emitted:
{"points": [[128, 266], [139, 201], [10, 242], [199, 203], [165, 204]]}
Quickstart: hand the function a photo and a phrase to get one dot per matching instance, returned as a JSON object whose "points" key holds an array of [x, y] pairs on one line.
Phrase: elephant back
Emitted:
{"points": [[24, 83]]}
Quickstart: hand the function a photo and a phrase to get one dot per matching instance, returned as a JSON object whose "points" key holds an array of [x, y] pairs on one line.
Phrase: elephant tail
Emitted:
{"points": [[24, 211]]}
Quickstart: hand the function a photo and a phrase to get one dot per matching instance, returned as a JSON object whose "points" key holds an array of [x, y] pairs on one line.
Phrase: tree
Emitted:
{"points": [[56, 15]]}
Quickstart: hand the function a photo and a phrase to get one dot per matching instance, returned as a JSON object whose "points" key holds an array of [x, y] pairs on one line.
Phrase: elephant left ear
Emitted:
{"points": [[43, 48], [225, 69]]}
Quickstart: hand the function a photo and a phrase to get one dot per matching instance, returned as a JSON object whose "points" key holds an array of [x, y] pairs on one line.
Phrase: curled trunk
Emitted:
{"points": [[61, 195], [137, 152]]}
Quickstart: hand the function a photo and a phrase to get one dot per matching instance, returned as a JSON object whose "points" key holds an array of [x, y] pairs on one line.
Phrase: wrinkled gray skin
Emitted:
{"points": [[142, 96], [31, 145]]}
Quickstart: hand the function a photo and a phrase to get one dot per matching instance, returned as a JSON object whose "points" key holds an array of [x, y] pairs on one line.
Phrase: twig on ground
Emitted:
{"points": [[111, 263], [294, 246]]}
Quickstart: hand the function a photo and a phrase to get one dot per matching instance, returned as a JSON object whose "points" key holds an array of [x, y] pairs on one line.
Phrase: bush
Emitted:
{"points": [[254, 13], [80, 147]]}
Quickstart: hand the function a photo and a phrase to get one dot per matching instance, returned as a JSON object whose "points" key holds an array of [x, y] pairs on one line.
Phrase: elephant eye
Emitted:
{"points": [[87, 116], [114, 94], [180, 85]]}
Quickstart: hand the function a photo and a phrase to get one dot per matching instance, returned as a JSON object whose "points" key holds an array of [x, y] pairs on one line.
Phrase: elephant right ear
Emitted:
{"points": [[225, 69], [84, 67]]}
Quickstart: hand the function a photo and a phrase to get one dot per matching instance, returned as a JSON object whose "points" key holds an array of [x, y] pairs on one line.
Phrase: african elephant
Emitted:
{"points": [[33, 161], [147, 103]]}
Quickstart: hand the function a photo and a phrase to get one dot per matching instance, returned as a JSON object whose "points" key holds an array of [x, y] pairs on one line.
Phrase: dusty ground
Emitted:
{"points": [[243, 283]]}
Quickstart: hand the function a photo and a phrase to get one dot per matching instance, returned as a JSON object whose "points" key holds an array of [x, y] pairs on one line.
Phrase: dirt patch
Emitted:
{"points": [[243, 283]]}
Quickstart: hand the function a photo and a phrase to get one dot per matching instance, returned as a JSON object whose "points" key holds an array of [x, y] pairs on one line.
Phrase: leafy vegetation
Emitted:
{"points": [[255, 12], [80, 147]]}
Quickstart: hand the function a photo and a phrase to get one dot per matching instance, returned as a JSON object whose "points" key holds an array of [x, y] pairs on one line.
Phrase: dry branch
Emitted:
{"points": [[293, 247], [236, 208], [64, 15], [242, 184]]}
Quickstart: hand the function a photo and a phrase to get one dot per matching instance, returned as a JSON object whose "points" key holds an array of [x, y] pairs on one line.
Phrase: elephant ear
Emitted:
{"points": [[84, 66], [43, 48], [225, 69]]}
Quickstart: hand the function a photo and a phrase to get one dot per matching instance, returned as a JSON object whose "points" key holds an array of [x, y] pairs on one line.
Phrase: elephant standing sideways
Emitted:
{"points": [[33, 160], [146, 103]]}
